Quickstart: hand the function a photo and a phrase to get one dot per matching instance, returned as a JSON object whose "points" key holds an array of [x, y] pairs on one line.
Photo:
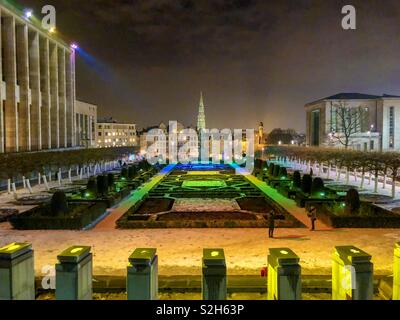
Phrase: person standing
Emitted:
{"points": [[271, 223], [312, 213]]}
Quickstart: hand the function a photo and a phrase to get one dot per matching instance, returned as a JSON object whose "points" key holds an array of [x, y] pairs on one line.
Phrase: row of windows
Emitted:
{"points": [[109, 134], [116, 140], [115, 127]]}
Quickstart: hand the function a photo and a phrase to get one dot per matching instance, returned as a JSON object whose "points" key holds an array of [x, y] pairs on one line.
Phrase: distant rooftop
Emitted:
{"points": [[355, 96], [110, 120]]}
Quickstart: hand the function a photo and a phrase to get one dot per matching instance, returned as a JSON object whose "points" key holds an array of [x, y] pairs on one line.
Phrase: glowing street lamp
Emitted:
{"points": [[28, 13], [52, 30], [74, 46]]}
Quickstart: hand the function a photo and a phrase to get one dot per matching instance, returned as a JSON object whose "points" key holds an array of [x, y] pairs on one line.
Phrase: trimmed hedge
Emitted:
{"points": [[380, 218], [80, 216]]}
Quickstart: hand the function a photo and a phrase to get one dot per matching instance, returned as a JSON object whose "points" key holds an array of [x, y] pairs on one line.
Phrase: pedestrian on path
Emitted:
{"points": [[271, 223], [312, 214]]}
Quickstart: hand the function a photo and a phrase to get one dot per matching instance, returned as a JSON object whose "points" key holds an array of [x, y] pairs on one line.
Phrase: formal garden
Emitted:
{"points": [[205, 196], [75, 187], [313, 177]]}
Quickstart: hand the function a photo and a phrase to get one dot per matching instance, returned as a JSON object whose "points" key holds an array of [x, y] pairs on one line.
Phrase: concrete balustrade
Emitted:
{"points": [[142, 278], [17, 275], [214, 275], [284, 275], [352, 274], [74, 273]]}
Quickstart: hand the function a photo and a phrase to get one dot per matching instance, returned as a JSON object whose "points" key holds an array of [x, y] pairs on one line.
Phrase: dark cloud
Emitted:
{"points": [[256, 60]]}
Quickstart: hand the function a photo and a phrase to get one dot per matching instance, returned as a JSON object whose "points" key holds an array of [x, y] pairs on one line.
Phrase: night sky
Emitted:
{"points": [[148, 60]]}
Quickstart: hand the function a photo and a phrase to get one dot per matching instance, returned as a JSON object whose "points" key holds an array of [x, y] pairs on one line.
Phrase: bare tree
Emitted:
{"points": [[345, 122]]}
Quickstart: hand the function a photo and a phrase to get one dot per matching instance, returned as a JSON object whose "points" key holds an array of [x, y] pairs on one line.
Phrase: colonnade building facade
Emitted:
{"points": [[37, 95]]}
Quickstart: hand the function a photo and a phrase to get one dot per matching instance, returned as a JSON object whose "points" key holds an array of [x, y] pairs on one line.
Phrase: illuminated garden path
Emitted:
{"points": [[289, 205], [118, 211]]}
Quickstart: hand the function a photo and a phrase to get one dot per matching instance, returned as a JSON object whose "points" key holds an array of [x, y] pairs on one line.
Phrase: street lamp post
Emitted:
{"points": [[370, 136]]}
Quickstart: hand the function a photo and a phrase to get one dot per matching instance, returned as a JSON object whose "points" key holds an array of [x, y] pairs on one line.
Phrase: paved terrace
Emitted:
{"points": [[180, 250]]}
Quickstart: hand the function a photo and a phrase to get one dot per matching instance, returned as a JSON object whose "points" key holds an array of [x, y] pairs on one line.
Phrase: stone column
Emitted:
{"points": [[62, 98], [2, 129], [17, 274], [71, 134], [284, 275], [55, 119], [214, 275], [90, 134], [10, 72], [45, 92], [24, 113], [396, 273], [74, 274], [34, 72], [352, 274], [70, 97], [142, 278]]}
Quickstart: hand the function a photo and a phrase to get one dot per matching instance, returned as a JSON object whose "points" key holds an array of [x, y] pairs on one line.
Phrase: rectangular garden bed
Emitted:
{"points": [[377, 218], [39, 218], [109, 200]]}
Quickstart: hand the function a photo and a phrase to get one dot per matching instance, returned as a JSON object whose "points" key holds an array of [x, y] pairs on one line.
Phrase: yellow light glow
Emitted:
{"points": [[214, 254], [10, 247], [76, 250]]}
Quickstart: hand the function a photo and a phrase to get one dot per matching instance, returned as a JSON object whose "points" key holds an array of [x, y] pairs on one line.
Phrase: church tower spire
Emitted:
{"points": [[201, 118]]}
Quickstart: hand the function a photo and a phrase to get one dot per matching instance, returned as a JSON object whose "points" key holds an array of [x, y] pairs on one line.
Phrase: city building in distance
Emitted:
{"points": [[85, 123], [354, 120], [111, 133], [38, 86]]}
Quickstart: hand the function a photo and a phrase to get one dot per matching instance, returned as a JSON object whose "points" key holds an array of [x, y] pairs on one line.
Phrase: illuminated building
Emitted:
{"points": [[377, 129], [111, 133], [85, 124], [38, 85]]}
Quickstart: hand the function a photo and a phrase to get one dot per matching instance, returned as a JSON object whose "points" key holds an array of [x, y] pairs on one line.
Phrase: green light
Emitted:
{"points": [[87, 195], [322, 194]]}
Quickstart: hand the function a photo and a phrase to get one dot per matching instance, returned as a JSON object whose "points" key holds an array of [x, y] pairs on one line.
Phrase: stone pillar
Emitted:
{"points": [[2, 129], [34, 73], [74, 274], [214, 275], [142, 278], [62, 98], [45, 93], [24, 128], [284, 275], [69, 105], [10, 72], [352, 274], [90, 133], [396, 272], [17, 274], [70, 97], [55, 119]]}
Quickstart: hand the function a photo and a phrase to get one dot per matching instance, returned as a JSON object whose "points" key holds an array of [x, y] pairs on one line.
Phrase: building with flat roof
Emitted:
{"points": [[371, 122], [37, 95], [111, 133], [85, 124]]}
